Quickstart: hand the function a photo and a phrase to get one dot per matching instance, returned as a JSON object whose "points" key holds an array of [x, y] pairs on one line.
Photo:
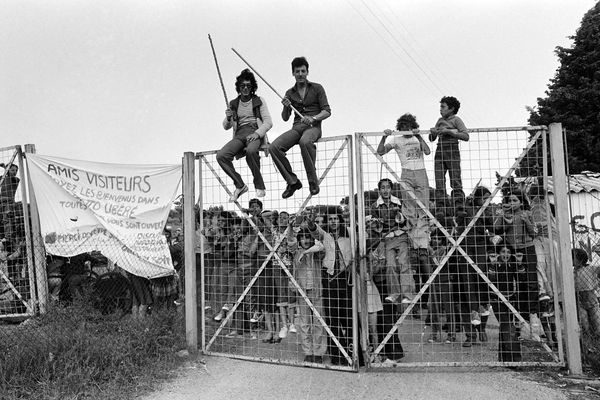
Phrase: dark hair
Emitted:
{"points": [[520, 196], [257, 201], [479, 193], [385, 180], [302, 233], [408, 119], [580, 255], [537, 190], [246, 75], [299, 62], [451, 102]]}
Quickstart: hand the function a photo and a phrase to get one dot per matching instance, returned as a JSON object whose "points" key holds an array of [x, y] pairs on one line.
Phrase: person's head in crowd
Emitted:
{"points": [[580, 257], [335, 222], [246, 77], [385, 188], [255, 207], [480, 195], [449, 106], [407, 122], [268, 218], [437, 240], [505, 253], [492, 254], [320, 220], [235, 226], [283, 219], [537, 191], [514, 202], [305, 239]]}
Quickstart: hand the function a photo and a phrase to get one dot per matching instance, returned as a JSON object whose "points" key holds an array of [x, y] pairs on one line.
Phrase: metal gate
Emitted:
{"points": [[252, 305], [472, 288]]}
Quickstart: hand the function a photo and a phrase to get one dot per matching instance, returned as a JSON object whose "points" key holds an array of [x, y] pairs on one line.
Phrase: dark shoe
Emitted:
{"points": [[314, 189], [309, 358], [290, 189], [276, 340], [318, 359], [467, 343]]}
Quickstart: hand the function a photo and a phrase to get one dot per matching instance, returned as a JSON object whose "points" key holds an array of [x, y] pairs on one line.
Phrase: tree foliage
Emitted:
{"points": [[573, 98]]}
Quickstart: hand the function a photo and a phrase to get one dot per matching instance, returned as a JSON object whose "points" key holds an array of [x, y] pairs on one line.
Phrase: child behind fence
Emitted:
{"points": [[586, 282], [307, 272]]}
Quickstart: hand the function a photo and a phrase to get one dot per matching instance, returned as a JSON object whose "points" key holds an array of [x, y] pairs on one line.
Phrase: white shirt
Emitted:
{"points": [[409, 151]]}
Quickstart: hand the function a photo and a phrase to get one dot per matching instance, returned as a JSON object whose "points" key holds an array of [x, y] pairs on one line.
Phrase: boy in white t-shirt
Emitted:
{"points": [[411, 148]]}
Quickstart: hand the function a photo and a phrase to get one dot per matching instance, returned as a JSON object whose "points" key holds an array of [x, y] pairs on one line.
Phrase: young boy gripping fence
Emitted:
{"points": [[449, 129]]}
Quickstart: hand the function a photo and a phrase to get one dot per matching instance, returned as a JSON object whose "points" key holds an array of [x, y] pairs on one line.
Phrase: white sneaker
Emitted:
{"points": [[237, 193], [544, 297], [484, 311], [283, 332], [260, 192], [293, 328]]}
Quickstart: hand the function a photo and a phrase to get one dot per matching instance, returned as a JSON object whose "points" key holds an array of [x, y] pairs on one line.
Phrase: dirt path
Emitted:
{"points": [[215, 378]]}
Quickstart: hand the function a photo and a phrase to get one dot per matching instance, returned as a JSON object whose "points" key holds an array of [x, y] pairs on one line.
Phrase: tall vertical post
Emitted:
{"points": [[29, 246], [362, 244], [354, 268], [565, 260], [37, 243], [189, 229]]}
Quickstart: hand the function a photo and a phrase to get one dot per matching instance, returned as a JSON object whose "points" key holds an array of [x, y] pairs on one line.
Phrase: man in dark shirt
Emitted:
{"points": [[310, 100], [8, 188]]}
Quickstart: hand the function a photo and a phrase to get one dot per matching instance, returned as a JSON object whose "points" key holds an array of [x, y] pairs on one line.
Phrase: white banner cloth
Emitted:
{"points": [[118, 209]]}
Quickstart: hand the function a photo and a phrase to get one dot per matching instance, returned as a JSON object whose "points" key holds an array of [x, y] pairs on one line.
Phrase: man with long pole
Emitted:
{"points": [[310, 100]]}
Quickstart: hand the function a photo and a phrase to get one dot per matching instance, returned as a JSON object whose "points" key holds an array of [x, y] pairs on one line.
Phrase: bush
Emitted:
{"points": [[75, 352], [590, 351]]}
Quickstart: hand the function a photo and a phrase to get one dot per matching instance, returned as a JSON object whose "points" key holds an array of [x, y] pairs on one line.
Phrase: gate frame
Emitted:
{"points": [[561, 199], [345, 146], [456, 246]]}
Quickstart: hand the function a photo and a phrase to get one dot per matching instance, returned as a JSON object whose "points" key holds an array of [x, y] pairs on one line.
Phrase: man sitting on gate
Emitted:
{"points": [[310, 100], [249, 117]]}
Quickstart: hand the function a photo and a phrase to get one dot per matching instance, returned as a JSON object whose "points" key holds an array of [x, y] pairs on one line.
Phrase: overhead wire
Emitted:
{"points": [[399, 43], [392, 48]]}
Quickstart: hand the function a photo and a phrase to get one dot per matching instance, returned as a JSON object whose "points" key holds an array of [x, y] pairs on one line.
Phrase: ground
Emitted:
{"points": [[217, 378]]}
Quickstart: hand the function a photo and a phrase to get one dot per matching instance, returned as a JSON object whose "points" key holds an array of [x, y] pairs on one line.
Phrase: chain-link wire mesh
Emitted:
{"points": [[278, 272], [462, 261]]}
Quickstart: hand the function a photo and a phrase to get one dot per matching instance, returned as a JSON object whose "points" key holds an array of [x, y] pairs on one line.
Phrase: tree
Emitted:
{"points": [[573, 98]]}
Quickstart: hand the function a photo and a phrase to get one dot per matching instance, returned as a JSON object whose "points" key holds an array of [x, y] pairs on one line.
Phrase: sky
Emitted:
{"points": [[135, 81]]}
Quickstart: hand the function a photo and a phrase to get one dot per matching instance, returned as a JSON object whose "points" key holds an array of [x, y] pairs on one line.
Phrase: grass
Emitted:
{"points": [[76, 353]]}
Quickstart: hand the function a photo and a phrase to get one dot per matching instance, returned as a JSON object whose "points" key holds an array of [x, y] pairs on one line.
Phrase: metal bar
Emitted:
{"points": [[37, 242], [200, 226], [191, 317], [553, 263], [469, 364], [455, 246], [477, 130], [218, 71], [273, 252], [561, 202], [26, 221], [355, 291], [282, 362], [362, 244]]}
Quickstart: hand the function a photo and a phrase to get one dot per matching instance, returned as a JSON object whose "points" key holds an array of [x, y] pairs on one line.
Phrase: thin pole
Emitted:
{"points": [[263, 79], [218, 71]]}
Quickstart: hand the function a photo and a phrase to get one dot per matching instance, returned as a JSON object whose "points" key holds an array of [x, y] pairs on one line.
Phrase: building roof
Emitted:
{"points": [[587, 182]]}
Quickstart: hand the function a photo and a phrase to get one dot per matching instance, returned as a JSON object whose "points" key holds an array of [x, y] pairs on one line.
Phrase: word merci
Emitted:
{"points": [[118, 210], [109, 182]]}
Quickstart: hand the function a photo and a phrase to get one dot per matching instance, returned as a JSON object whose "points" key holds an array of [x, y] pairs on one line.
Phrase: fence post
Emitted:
{"points": [[37, 243], [565, 260], [189, 229]]}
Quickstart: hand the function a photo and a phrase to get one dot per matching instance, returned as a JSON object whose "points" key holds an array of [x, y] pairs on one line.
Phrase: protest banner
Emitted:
{"points": [[117, 209]]}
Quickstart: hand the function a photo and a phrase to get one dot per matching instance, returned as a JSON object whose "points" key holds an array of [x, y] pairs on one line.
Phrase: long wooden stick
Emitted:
{"points": [[218, 71], [263, 79]]}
